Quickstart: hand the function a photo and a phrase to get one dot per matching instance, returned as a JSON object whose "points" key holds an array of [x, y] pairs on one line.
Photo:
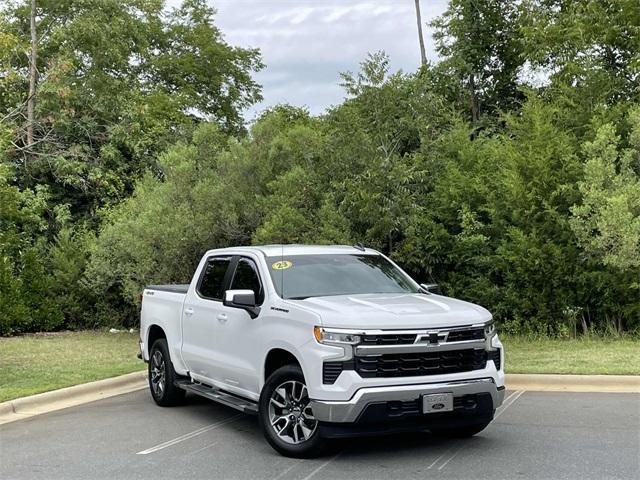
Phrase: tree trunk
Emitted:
{"points": [[33, 73], [475, 107], [423, 54], [585, 328]]}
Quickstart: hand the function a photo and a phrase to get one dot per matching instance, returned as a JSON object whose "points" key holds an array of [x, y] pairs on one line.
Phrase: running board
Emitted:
{"points": [[233, 401]]}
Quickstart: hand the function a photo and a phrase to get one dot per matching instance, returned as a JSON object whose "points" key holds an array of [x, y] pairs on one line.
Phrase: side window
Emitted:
{"points": [[212, 281], [246, 278]]}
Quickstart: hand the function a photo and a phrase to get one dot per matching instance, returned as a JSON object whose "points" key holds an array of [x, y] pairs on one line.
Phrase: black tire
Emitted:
{"points": [[161, 372], [310, 447], [460, 432]]}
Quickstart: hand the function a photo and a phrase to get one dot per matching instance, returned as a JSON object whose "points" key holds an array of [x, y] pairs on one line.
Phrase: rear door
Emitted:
{"points": [[202, 314]]}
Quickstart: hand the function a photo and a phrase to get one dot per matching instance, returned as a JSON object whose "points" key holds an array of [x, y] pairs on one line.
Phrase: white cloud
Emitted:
{"points": [[306, 43]]}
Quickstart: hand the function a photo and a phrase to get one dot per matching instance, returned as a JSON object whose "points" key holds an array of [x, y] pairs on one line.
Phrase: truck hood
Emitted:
{"points": [[394, 311]]}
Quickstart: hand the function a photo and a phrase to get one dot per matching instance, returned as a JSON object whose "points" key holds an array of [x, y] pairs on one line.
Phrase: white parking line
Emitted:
{"points": [[287, 470], [510, 400], [439, 458], [322, 466], [206, 447], [450, 458], [187, 436], [509, 397], [513, 397]]}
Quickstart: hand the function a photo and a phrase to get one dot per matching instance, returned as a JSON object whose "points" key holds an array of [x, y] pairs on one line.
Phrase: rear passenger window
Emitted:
{"points": [[246, 278], [212, 283]]}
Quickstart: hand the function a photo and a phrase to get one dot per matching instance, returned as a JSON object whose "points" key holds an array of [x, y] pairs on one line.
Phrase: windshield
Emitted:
{"points": [[297, 277]]}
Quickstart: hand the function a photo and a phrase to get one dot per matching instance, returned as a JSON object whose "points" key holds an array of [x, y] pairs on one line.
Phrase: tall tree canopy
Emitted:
{"points": [[118, 82], [588, 51], [481, 50]]}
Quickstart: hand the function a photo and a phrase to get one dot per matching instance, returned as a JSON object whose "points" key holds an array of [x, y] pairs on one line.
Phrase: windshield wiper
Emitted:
{"points": [[297, 298]]}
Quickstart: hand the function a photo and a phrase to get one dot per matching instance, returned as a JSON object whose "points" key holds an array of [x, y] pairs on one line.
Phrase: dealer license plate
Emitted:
{"points": [[437, 402]]}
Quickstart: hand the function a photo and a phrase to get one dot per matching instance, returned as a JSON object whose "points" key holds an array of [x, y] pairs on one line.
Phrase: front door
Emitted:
{"points": [[238, 337]]}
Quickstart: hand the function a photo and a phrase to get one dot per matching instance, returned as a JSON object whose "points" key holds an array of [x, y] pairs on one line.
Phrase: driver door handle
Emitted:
{"points": [[188, 311], [222, 317]]}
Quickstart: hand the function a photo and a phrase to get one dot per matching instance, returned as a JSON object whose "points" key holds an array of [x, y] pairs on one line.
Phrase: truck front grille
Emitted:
{"points": [[420, 363], [444, 336], [401, 339], [463, 335]]}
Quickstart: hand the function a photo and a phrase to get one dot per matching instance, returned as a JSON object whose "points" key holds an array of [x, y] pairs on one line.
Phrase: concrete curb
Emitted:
{"points": [[68, 397], [26, 407], [574, 383]]}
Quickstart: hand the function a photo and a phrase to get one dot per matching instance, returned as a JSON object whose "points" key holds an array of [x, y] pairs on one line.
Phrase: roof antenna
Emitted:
{"points": [[359, 246]]}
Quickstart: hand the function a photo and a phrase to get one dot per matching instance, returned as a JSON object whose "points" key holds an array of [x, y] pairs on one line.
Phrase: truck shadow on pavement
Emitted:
{"points": [[408, 444]]}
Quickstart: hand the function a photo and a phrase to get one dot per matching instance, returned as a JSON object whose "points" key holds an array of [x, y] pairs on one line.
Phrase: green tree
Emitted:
{"points": [[494, 226], [118, 82], [589, 53], [67, 260], [160, 233], [26, 303], [607, 221], [371, 152], [480, 47], [299, 211]]}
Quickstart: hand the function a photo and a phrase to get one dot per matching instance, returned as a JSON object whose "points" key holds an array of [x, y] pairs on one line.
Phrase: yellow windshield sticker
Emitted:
{"points": [[282, 265]]}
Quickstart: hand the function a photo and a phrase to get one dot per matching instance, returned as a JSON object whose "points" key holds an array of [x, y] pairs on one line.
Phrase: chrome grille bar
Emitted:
{"points": [[362, 350]]}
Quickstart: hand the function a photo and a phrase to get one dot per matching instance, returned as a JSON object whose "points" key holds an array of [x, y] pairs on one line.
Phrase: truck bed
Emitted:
{"points": [[176, 288]]}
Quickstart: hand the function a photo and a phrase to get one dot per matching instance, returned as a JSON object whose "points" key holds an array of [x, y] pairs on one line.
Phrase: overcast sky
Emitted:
{"points": [[306, 43]]}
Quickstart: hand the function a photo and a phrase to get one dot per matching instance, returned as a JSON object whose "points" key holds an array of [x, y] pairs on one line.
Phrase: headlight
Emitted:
{"points": [[331, 336], [490, 329]]}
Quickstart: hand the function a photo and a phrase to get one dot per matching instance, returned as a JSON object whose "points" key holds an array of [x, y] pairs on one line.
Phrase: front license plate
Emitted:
{"points": [[437, 402]]}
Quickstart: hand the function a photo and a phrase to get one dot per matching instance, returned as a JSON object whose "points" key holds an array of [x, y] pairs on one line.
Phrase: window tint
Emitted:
{"points": [[247, 278], [212, 283]]}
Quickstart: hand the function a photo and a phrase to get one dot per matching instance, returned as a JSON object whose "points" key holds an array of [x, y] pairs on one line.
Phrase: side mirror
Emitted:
{"points": [[431, 288], [243, 299]]}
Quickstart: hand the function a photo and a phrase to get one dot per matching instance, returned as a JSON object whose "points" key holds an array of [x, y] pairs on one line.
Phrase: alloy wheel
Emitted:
{"points": [[290, 414], [157, 373]]}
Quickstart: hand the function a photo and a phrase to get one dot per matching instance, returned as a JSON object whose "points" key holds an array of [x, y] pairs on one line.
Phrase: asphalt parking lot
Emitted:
{"points": [[535, 435]]}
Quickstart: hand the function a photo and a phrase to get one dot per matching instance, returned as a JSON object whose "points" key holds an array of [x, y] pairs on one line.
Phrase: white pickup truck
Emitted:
{"points": [[322, 342]]}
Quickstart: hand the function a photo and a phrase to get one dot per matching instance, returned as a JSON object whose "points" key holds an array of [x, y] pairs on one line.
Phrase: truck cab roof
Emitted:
{"points": [[296, 249]]}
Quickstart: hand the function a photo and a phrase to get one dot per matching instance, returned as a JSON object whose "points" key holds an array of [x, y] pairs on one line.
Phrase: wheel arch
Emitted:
{"points": [[154, 333], [278, 357]]}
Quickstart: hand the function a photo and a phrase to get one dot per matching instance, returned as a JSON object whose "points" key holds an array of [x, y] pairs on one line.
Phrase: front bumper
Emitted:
{"points": [[351, 410]]}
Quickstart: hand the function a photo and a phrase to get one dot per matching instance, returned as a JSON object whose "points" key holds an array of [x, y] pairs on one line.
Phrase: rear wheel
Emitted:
{"points": [[162, 376], [286, 417]]}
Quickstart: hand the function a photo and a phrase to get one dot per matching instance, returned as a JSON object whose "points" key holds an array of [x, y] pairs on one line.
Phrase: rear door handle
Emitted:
{"points": [[222, 317], [188, 311]]}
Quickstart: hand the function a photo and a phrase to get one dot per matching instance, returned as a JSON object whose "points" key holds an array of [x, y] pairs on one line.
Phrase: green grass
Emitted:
{"points": [[38, 363], [582, 356]]}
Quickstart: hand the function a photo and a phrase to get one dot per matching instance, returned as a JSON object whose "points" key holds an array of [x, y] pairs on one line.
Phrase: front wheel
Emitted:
{"points": [[286, 417]]}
